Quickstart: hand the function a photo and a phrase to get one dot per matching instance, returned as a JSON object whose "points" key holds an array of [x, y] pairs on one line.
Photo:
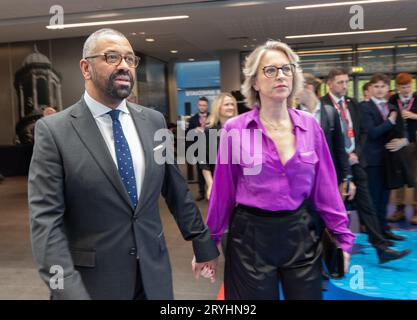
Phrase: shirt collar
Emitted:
{"points": [[403, 98], [304, 108], [378, 101], [253, 117], [336, 99], [98, 109]]}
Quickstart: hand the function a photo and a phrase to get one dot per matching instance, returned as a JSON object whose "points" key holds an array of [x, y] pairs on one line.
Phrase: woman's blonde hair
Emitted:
{"points": [[214, 116], [252, 64]]}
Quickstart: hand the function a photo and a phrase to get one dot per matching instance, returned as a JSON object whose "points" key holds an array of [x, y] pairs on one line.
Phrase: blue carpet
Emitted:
{"points": [[367, 279]]}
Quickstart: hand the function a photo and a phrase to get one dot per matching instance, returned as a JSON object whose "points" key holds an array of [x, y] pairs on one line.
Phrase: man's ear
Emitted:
{"points": [[85, 69]]}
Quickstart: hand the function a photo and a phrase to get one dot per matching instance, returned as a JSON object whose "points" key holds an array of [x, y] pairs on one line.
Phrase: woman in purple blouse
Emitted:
{"points": [[271, 161]]}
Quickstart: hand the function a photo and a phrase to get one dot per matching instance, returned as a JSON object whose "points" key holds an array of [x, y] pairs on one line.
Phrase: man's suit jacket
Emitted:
{"points": [[411, 123], [330, 124], [377, 132], [194, 121], [82, 219], [358, 127]]}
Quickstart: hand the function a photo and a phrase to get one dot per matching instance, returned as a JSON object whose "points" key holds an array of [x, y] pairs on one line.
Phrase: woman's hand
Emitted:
{"points": [[205, 269], [346, 261]]}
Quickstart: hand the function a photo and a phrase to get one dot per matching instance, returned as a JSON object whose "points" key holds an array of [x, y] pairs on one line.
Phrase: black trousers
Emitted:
{"points": [[139, 289], [266, 249], [365, 206], [379, 194], [201, 181]]}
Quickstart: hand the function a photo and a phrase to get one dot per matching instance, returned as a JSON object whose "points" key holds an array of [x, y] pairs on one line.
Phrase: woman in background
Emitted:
{"points": [[223, 108]]}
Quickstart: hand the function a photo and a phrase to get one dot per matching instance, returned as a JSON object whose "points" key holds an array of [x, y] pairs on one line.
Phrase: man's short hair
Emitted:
{"points": [[403, 78], [312, 80], [366, 86], [89, 44], [333, 73], [203, 99], [379, 77]]}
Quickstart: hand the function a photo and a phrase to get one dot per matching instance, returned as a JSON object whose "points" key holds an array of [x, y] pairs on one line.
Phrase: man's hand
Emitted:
{"points": [[346, 261], [393, 116], [351, 192], [409, 115], [353, 158], [205, 269], [396, 144], [208, 191]]}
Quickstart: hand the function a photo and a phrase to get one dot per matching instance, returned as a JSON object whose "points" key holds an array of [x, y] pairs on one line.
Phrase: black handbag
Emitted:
{"points": [[333, 256]]}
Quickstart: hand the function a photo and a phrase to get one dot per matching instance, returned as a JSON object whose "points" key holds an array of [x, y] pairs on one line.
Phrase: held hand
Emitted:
{"points": [[408, 115], [396, 144], [208, 192], [393, 116], [346, 261], [350, 194], [205, 269], [353, 158]]}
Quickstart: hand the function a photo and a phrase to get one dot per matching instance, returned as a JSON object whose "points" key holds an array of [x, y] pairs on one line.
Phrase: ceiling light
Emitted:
{"points": [[325, 50], [334, 4], [174, 51], [150, 40], [375, 48], [101, 23], [191, 59], [343, 33]]}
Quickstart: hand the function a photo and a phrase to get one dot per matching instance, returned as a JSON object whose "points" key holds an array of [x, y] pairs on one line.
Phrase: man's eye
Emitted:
{"points": [[130, 59], [112, 57]]}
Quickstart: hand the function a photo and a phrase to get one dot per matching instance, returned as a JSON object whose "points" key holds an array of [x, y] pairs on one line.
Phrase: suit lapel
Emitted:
{"points": [[145, 132], [324, 119], [86, 128], [376, 111]]}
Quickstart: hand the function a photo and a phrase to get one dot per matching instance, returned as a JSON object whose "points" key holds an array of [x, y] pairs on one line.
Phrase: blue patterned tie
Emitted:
{"points": [[124, 158]]}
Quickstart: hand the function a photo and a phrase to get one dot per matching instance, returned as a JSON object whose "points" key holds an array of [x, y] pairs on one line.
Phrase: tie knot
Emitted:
{"points": [[114, 114]]}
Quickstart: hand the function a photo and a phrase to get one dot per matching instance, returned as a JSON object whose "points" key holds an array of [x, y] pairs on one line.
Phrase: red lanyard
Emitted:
{"points": [[344, 115], [410, 104], [342, 110]]}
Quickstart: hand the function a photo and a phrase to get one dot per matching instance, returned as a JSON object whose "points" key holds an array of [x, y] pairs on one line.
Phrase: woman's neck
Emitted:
{"points": [[276, 112]]}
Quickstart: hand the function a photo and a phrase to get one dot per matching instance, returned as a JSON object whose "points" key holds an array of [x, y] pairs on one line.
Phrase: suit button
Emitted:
{"points": [[132, 251]]}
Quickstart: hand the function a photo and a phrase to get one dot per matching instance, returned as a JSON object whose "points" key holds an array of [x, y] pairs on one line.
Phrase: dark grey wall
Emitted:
{"points": [[64, 54]]}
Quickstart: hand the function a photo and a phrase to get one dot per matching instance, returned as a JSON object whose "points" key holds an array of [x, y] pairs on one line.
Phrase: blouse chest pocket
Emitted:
{"points": [[309, 157]]}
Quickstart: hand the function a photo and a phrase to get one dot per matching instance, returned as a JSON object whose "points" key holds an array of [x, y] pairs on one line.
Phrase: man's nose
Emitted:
{"points": [[123, 65]]}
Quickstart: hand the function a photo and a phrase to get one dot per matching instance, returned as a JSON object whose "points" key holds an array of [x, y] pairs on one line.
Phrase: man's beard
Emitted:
{"points": [[119, 92]]}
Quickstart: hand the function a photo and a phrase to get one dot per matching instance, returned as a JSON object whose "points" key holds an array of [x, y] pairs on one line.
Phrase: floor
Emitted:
{"points": [[18, 275]]}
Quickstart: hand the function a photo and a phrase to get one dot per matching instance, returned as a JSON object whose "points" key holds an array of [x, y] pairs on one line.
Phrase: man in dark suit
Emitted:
{"points": [[94, 187], [406, 102], [379, 119], [354, 138], [197, 123]]}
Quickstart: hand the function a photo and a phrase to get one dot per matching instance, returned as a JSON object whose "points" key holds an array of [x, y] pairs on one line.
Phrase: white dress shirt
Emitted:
{"points": [[105, 125]]}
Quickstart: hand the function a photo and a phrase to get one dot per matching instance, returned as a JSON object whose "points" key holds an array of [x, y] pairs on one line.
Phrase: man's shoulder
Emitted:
{"points": [[152, 115]]}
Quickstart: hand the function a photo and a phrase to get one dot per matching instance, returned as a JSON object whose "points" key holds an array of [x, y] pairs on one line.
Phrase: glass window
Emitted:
{"points": [[406, 58], [376, 58]]}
